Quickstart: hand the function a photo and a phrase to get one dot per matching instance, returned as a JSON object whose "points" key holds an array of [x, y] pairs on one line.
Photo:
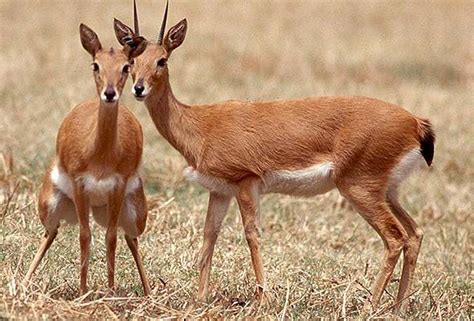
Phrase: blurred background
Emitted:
{"points": [[418, 54], [411, 53]]}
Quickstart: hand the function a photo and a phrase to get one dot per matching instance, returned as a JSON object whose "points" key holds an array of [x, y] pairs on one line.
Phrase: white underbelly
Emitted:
{"points": [[97, 190], [310, 181]]}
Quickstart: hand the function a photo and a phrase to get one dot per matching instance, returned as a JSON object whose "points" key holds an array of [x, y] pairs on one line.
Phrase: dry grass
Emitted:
{"points": [[319, 255]]}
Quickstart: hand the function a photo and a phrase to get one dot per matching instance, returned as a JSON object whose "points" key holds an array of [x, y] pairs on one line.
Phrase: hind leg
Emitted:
{"points": [[248, 201], [48, 240], [53, 205], [410, 250], [372, 206], [132, 243], [133, 222]]}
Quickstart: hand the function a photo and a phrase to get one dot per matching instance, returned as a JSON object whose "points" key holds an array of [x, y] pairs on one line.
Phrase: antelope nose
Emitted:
{"points": [[139, 89], [110, 94]]}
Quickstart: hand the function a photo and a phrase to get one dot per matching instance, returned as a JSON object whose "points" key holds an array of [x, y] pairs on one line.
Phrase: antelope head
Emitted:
{"points": [[150, 69], [111, 67]]}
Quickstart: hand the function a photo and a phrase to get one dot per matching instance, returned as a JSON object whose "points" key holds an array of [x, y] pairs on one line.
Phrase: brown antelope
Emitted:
{"points": [[98, 152], [362, 146]]}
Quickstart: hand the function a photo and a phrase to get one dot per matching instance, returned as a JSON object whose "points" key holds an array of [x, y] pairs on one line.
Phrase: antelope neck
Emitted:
{"points": [[179, 124], [106, 132]]}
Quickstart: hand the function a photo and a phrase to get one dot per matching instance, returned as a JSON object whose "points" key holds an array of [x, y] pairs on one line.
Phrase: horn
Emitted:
{"points": [[163, 25], [135, 18]]}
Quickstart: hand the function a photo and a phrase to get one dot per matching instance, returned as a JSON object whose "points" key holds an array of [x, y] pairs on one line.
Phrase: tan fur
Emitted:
{"points": [[98, 152], [240, 143], [235, 139], [100, 141]]}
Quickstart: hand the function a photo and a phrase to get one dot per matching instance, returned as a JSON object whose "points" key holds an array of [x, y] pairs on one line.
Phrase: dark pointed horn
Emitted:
{"points": [[135, 18], [163, 25]]}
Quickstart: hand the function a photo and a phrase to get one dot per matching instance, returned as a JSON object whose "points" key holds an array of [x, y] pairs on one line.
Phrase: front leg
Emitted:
{"points": [[114, 208], [216, 211], [81, 202]]}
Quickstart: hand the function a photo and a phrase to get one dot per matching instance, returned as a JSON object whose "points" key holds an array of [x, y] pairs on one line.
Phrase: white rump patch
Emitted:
{"points": [[413, 160], [309, 181], [133, 184], [62, 182]]}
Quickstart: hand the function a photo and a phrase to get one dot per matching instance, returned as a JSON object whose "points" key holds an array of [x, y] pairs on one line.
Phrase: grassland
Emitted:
{"points": [[320, 256]]}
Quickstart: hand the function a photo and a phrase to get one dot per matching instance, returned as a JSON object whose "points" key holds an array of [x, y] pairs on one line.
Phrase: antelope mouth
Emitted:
{"points": [[140, 97]]}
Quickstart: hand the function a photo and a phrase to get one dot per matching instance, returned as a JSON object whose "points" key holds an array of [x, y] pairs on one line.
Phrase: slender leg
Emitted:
{"points": [[217, 209], [114, 208], [133, 221], [48, 240], [132, 243], [53, 205], [373, 208], [81, 201], [248, 200], [410, 250]]}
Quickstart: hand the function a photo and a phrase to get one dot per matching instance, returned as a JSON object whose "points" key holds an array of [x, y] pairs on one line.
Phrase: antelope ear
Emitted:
{"points": [[134, 46], [175, 36], [89, 39], [122, 31]]}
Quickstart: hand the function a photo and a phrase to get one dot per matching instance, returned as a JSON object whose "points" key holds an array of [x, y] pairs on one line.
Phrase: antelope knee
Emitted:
{"points": [[252, 233], [85, 236]]}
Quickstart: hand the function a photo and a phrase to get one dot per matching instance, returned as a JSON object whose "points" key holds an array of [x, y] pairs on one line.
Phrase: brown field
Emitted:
{"points": [[320, 256]]}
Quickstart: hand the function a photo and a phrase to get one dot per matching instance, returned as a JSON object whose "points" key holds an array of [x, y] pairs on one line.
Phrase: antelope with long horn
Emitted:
{"points": [[362, 146], [98, 152]]}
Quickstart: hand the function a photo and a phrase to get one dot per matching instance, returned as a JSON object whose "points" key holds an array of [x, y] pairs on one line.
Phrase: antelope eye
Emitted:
{"points": [[161, 62], [95, 66], [126, 69]]}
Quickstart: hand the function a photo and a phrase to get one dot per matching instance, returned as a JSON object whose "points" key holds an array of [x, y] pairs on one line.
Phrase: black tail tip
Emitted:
{"points": [[427, 146]]}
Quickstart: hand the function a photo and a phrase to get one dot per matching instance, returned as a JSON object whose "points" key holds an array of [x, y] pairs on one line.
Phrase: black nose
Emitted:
{"points": [[139, 89], [109, 94]]}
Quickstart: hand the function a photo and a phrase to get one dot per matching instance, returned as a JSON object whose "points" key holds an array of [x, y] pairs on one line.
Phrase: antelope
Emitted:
{"points": [[361, 146], [98, 153]]}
